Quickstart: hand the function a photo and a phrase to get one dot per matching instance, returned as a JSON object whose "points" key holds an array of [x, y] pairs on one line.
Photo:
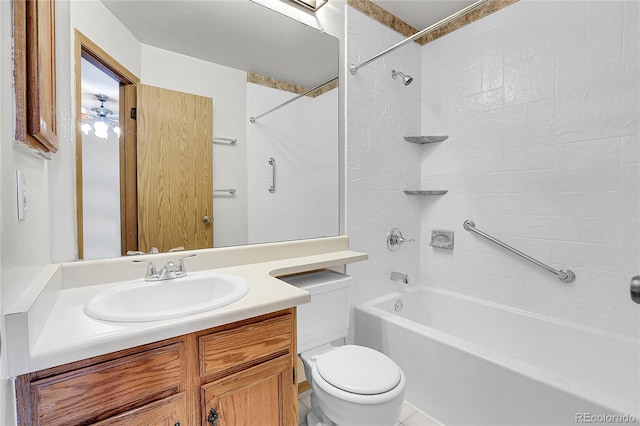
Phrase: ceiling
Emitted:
{"points": [[96, 82], [240, 34], [421, 14]]}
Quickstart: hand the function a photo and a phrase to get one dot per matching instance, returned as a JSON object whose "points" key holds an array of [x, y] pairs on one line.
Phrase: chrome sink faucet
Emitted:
{"points": [[168, 271]]}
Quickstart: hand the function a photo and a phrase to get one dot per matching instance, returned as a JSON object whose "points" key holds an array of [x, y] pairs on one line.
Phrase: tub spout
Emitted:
{"points": [[397, 276]]}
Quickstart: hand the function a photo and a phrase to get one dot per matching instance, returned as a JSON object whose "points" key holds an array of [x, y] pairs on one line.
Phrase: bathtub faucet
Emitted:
{"points": [[397, 276]]}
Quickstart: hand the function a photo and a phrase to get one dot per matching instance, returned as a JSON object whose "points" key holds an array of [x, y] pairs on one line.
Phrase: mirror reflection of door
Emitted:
{"points": [[141, 182], [175, 168]]}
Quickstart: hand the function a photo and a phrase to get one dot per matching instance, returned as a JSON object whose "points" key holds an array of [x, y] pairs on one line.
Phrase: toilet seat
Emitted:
{"points": [[359, 370], [357, 398]]}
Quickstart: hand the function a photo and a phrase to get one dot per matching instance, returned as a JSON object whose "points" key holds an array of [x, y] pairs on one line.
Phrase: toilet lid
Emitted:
{"points": [[360, 370]]}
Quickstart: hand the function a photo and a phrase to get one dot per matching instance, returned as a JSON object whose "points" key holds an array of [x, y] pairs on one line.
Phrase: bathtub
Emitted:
{"points": [[472, 362]]}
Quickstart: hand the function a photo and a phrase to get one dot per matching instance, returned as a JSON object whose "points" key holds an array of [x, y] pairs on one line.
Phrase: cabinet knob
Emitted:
{"points": [[213, 416], [207, 220]]}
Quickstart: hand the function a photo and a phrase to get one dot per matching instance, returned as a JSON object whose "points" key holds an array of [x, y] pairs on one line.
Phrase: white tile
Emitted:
{"points": [[605, 27], [588, 166], [629, 232], [554, 228], [587, 204], [600, 230], [529, 80], [407, 411], [593, 256], [630, 149], [631, 41], [302, 413], [630, 191], [597, 101], [419, 419]]}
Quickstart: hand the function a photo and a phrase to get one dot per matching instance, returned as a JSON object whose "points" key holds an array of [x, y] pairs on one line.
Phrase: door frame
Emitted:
{"points": [[87, 49]]}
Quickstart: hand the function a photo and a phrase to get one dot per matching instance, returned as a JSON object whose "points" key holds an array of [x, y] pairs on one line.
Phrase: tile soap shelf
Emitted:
{"points": [[425, 192], [425, 139]]}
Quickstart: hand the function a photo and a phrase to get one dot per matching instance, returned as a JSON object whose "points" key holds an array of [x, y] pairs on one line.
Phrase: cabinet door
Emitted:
{"points": [[170, 411], [264, 395]]}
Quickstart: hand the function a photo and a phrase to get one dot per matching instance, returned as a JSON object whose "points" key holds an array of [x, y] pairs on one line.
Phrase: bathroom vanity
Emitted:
{"points": [[240, 373], [233, 365]]}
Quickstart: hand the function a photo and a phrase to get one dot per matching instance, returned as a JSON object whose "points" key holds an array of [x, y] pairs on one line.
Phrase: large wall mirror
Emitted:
{"points": [[200, 70]]}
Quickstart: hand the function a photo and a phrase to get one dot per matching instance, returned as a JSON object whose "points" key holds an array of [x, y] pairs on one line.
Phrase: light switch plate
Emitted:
{"points": [[21, 187]]}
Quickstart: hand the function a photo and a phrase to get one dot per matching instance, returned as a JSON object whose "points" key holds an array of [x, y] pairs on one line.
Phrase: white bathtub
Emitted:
{"points": [[470, 362]]}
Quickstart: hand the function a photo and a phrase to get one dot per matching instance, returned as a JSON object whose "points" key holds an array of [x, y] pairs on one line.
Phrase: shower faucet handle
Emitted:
{"points": [[395, 239]]}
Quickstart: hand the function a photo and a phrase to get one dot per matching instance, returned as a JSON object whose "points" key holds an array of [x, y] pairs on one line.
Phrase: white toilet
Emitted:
{"points": [[352, 385]]}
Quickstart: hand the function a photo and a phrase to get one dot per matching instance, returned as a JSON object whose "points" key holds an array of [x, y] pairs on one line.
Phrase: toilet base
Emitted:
{"points": [[313, 420]]}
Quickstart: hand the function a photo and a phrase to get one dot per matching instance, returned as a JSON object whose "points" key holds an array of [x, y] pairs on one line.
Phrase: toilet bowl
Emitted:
{"points": [[353, 386]]}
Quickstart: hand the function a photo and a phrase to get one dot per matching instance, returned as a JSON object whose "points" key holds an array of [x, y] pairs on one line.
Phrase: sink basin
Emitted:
{"points": [[139, 300]]}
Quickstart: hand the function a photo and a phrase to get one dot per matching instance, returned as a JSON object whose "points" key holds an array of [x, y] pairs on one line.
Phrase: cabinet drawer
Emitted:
{"points": [[245, 344], [94, 393], [169, 411]]}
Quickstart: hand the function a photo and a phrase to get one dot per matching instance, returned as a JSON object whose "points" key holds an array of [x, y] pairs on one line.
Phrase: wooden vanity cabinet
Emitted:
{"points": [[238, 374]]}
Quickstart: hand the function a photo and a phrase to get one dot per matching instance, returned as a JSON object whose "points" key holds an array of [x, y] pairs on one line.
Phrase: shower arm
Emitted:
{"points": [[354, 68]]}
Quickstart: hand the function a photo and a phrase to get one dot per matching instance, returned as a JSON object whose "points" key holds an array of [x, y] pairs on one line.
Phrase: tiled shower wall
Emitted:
{"points": [[380, 164], [297, 138], [541, 102]]}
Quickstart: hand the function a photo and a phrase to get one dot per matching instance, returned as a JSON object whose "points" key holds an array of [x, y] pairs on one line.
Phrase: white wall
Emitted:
{"points": [[24, 245], [304, 159], [541, 102], [380, 164], [97, 23], [227, 87]]}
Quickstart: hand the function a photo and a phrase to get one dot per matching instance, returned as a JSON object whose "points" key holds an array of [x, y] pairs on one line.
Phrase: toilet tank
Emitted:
{"points": [[326, 317]]}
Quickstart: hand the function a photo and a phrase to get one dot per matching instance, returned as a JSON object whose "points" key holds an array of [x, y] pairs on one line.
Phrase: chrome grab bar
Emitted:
{"points": [[564, 275], [224, 141], [230, 191], [272, 188]]}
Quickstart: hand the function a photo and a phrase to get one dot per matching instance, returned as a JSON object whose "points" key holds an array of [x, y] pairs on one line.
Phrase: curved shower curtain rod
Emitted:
{"points": [[253, 119], [354, 68]]}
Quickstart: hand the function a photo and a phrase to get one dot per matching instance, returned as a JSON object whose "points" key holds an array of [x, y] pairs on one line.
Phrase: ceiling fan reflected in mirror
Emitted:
{"points": [[100, 119]]}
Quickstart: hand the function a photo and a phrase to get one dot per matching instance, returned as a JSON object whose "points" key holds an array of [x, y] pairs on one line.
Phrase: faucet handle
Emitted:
{"points": [[151, 268], [181, 267], [395, 239], [154, 250], [134, 252], [180, 248]]}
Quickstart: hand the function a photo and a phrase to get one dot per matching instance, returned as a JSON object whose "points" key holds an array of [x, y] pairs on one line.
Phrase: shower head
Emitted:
{"points": [[406, 79]]}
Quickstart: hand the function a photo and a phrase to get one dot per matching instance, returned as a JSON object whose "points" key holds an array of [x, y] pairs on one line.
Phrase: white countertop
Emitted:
{"points": [[48, 326]]}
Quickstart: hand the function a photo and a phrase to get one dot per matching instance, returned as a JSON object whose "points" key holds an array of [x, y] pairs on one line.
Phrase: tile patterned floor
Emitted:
{"points": [[409, 416]]}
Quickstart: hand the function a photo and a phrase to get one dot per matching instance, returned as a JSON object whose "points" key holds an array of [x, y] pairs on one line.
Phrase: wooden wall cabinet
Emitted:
{"points": [[241, 374], [35, 73]]}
